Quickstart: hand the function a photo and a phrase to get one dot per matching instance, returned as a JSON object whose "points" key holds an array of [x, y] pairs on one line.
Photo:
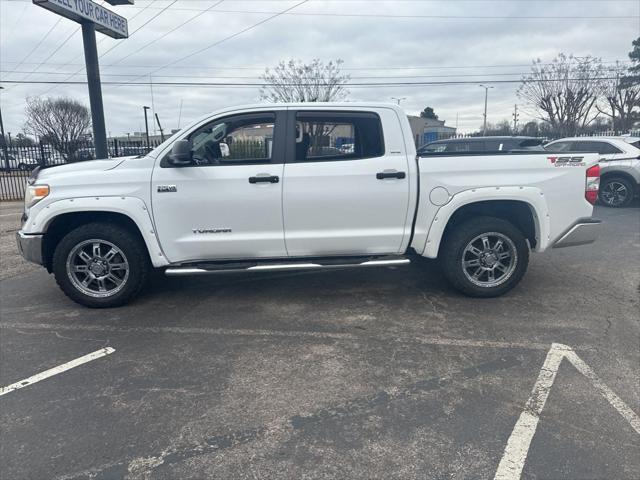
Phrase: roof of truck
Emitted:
{"points": [[479, 139], [394, 106], [624, 138]]}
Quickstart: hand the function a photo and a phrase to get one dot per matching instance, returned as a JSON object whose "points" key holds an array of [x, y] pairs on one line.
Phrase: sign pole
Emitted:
{"points": [[95, 91]]}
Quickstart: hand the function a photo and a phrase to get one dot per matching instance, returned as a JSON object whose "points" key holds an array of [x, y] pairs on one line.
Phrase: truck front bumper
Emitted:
{"points": [[30, 247], [584, 231]]}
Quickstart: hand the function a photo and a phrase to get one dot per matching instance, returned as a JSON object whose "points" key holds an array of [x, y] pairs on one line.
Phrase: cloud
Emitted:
{"points": [[369, 46]]}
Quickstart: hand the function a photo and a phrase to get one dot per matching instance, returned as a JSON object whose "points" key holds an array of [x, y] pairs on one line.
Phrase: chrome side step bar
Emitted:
{"points": [[177, 271]]}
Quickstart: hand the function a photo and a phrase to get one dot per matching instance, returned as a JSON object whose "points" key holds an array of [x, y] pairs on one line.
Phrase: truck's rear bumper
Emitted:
{"points": [[584, 231], [30, 247]]}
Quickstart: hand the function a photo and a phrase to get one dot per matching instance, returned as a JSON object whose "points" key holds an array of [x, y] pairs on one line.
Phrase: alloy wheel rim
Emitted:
{"points": [[614, 193], [97, 268], [489, 259]]}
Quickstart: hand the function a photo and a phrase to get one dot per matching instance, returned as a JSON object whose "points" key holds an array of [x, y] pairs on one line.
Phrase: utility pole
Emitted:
{"points": [[95, 90], [515, 119], [4, 141], [146, 126], [486, 94], [160, 127], [398, 99], [153, 105], [93, 17], [180, 113]]}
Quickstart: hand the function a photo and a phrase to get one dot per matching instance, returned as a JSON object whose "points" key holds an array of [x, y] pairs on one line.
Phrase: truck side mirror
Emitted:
{"points": [[181, 154]]}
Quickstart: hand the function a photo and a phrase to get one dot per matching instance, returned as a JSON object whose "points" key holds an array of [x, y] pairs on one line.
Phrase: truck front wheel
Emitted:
{"points": [[484, 257], [101, 265]]}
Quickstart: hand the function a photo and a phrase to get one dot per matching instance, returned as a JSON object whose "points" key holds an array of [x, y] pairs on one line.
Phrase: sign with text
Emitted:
{"points": [[83, 11]]}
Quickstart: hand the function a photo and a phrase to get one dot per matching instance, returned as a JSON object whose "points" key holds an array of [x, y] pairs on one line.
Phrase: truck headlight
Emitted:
{"points": [[34, 193]]}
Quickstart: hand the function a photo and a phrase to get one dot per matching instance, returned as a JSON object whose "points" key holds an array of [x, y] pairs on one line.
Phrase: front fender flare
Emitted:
{"points": [[131, 207]]}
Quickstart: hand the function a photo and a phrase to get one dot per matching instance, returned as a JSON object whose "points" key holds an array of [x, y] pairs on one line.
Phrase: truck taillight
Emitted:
{"points": [[592, 185]]}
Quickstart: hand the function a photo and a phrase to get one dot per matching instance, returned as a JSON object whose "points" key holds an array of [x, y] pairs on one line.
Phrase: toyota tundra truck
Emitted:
{"points": [[302, 186]]}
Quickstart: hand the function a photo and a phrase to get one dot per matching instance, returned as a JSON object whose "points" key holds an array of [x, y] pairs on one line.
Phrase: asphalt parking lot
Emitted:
{"points": [[372, 373]]}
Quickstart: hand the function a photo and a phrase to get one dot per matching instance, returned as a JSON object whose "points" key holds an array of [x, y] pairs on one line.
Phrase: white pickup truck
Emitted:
{"points": [[302, 186]]}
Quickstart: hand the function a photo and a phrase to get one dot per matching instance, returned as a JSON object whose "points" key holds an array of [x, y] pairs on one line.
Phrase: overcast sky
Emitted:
{"points": [[469, 40]]}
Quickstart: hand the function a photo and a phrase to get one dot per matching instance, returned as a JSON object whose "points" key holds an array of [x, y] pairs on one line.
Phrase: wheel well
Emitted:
{"points": [[519, 214], [619, 174], [63, 224]]}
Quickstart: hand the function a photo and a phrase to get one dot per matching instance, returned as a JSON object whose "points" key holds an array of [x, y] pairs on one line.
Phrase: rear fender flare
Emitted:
{"points": [[532, 196]]}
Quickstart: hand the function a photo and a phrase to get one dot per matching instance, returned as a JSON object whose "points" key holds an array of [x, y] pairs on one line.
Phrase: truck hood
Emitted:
{"points": [[79, 168]]}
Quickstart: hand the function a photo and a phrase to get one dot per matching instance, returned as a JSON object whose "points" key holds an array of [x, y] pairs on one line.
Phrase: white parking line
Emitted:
{"points": [[11, 214], [56, 370], [517, 448]]}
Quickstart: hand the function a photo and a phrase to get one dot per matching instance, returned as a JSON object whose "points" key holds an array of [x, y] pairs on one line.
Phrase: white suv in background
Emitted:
{"points": [[619, 164]]}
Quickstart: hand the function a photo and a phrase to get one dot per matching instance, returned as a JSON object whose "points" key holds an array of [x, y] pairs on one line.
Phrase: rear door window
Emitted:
{"points": [[495, 145], [324, 136], [561, 147], [464, 147], [603, 148]]}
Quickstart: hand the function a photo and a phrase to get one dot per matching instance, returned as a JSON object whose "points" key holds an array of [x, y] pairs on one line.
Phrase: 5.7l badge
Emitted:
{"points": [[167, 188]]}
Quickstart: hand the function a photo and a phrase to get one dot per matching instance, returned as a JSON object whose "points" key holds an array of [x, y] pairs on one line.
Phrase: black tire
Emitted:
{"points": [[453, 253], [132, 253], [610, 195]]}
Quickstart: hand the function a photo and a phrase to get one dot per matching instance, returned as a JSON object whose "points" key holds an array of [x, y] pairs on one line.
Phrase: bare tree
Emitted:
{"points": [[620, 98], [62, 121], [294, 81], [564, 93]]}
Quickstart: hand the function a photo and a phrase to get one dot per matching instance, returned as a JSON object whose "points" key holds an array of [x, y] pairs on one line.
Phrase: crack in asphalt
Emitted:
{"points": [[141, 467]]}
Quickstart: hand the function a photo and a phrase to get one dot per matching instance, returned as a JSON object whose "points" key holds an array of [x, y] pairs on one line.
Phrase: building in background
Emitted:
{"points": [[427, 130]]}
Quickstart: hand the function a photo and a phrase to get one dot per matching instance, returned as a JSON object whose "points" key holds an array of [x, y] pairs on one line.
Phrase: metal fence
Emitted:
{"points": [[16, 168], [21, 160]]}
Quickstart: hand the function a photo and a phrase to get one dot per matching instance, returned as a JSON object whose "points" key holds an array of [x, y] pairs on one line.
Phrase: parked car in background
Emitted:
{"points": [[483, 145], [82, 154], [619, 164], [23, 164]]}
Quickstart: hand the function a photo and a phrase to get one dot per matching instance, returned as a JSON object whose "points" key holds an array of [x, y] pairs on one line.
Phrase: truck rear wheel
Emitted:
{"points": [[101, 265], [484, 257]]}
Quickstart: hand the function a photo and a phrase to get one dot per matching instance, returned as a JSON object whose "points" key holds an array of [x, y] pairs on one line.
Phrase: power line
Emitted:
{"points": [[419, 16], [104, 53], [40, 42], [76, 30], [261, 68], [169, 32], [229, 37], [456, 75], [262, 84], [55, 51], [139, 28], [438, 17], [222, 40], [419, 1]]}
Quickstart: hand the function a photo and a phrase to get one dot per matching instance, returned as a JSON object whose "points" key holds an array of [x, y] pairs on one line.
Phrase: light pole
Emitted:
{"points": [[4, 141], [146, 126], [486, 94], [398, 99]]}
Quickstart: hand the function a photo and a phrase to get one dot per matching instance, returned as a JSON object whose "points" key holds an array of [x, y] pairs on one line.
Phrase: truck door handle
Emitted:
{"points": [[264, 179], [390, 174]]}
